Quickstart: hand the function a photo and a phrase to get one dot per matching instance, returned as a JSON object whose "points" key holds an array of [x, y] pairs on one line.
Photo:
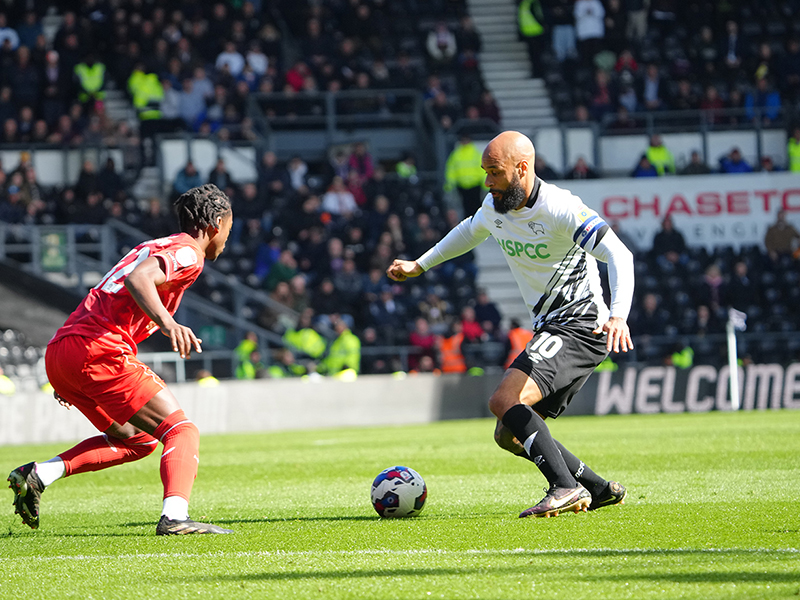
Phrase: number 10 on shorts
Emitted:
{"points": [[545, 345]]}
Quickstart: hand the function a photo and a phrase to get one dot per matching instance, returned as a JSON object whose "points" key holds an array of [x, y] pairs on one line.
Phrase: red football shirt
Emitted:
{"points": [[109, 311]]}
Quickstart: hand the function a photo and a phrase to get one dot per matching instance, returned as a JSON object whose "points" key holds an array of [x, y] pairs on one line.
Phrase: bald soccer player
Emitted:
{"points": [[551, 241]]}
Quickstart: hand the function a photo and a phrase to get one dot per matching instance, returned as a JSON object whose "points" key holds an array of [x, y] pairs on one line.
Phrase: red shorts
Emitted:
{"points": [[102, 379]]}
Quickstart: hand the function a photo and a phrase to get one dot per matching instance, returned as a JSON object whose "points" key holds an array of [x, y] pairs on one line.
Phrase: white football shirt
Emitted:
{"points": [[550, 245]]}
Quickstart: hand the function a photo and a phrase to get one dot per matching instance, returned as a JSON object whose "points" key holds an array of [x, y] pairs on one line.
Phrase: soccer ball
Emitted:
{"points": [[398, 492]]}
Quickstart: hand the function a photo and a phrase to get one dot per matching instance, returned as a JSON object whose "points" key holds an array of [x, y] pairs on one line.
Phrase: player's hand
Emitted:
{"points": [[619, 336], [65, 403], [400, 270], [182, 338]]}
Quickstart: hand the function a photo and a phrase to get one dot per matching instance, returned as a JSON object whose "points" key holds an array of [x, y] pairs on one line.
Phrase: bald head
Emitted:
{"points": [[511, 146], [508, 162]]}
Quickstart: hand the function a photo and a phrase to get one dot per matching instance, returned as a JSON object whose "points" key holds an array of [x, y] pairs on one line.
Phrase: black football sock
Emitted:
{"points": [[530, 429], [585, 476]]}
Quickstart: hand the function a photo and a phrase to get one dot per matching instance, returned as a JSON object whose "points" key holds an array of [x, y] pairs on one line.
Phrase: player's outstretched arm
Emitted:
{"points": [[142, 284], [619, 335], [400, 270]]}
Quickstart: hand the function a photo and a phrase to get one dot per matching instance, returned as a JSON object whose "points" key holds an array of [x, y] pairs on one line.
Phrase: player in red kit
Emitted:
{"points": [[91, 363]]}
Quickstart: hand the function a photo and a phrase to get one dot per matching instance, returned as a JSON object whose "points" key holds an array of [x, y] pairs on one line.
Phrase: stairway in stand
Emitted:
{"points": [[523, 100]]}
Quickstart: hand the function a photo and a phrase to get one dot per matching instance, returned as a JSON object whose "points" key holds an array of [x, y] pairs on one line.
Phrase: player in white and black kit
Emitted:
{"points": [[551, 240]]}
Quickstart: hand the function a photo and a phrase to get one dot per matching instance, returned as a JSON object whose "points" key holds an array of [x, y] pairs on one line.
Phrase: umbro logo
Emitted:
{"points": [[497, 223], [536, 227]]}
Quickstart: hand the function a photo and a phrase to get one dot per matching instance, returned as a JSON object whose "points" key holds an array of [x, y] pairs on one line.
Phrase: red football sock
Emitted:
{"points": [[179, 460], [105, 451]]}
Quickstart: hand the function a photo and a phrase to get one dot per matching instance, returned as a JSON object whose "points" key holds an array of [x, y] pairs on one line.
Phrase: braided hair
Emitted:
{"points": [[201, 206]]}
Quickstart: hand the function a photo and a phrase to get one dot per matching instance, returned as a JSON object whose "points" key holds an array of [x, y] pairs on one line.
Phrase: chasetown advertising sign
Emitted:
{"points": [[699, 389], [710, 210]]}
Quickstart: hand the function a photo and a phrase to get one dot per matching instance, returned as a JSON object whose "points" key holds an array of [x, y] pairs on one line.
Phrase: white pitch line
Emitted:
{"points": [[380, 552]]}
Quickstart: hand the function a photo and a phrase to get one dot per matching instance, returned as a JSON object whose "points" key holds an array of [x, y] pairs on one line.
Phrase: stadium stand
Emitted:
{"points": [[116, 75]]}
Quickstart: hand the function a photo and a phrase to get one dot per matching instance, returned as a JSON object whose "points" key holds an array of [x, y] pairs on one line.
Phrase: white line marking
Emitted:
{"points": [[428, 551]]}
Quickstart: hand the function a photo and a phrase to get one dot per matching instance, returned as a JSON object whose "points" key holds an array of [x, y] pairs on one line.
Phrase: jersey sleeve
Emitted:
{"points": [[182, 262], [460, 240], [582, 224], [589, 231]]}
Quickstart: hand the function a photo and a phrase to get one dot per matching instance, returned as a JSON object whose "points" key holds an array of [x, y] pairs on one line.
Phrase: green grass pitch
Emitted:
{"points": [[713, 512]]}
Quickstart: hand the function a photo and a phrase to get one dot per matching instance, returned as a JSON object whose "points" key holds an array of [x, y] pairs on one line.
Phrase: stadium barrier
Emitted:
{"points": [[372, 400]]}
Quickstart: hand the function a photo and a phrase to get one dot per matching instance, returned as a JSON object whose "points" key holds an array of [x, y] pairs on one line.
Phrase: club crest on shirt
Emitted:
{"points": [[536, 228]]}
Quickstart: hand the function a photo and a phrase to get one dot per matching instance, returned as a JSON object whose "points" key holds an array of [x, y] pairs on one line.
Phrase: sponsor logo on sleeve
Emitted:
{"points": [[185, 257]]}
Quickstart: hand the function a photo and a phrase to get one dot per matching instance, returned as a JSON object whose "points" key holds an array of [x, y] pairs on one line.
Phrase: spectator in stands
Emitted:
{"points": [[230, 60], [544, 170], [712, 104], [781, 239], [660, 156], [451, 356], [487, 107], [741, 292], [602, 95], [616, 25], [219, 175], [281, 271], [644, 168], [763, 103], [653, 89], [582, 170], [767, 165], [186, 179], [192, 104], [87, 180], [406, 167], [361, 162], [732, 51], [9, 38], [734, 163], [304, 339], [423, 340], [109, 182], [623, 120], [559, 14], [91, 76], [7, 386], [23, 77], [637, 19], [793, 150], [589, 28], [669, 246], [344, 352], [735, 103], [711, 291], [650, 319], [298, 171], [696, 166], [157, 221], [684, 98], [339, 201], [516, 341], [531, 27], [12, 210], [463, 173], [441, 45], [486, 310], [789, 79]]}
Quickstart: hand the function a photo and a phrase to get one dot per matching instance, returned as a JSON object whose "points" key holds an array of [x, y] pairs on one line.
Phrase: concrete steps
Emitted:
{"points": [[523, 101]]}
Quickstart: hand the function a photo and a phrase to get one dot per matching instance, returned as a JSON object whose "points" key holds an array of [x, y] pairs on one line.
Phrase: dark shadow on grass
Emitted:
{"points": [[715, 577], [374, 518], [707, 577]]}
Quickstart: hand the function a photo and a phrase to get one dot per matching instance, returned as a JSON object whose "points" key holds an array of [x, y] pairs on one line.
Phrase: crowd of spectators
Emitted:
{"points": [[627, 56], [685, 292], [318, 237]]}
